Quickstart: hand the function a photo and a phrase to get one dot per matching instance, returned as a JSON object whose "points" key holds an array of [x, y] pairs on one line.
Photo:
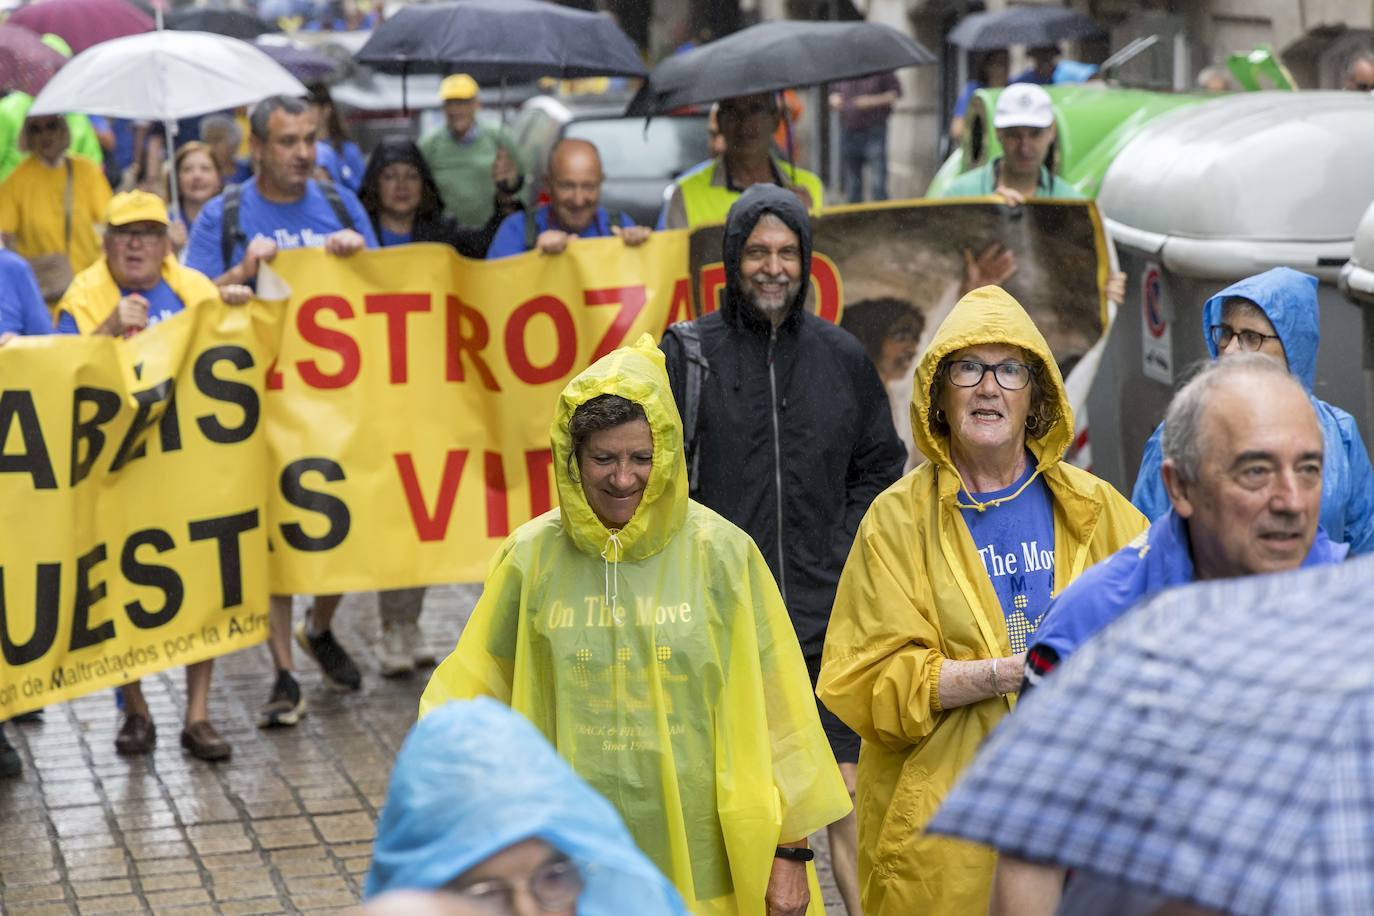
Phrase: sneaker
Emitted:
{"points": [[285, 706], [201, 739], [420, 654], [138, 735], [336, 664], [33, 715], [394, 657], [11, 766]]}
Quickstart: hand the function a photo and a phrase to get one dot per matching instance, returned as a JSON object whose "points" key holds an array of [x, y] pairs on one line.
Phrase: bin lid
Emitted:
{"points": [[1357, 277], [1254, 166]]}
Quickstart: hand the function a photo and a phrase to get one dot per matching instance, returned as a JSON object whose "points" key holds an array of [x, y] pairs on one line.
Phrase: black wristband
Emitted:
{"points": [[794, 853]]}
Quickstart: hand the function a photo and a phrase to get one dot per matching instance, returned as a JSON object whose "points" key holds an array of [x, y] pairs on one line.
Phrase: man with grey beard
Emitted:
{"points": [[788, 434]]}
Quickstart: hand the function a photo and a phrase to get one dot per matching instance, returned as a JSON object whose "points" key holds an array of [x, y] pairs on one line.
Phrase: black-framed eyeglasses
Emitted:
{"points": [[968, 373], [554, 886], [1223, 334], [134, 231]]}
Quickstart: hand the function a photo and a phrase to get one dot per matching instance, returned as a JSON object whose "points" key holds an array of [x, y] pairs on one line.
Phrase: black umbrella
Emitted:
{"points": [[304, 64], [772, 56], [233, 23], [501, 39], [1034, 26]]}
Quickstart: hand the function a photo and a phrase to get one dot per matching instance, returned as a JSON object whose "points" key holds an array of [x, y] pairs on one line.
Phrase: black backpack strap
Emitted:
{"points": [[230, 232], [531, 229], [698, 370], [336, 204]]}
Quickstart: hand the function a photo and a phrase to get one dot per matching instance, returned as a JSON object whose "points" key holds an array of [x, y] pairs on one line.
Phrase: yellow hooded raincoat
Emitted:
{"points": [[94, 294], [914, 593], [660, 661]]}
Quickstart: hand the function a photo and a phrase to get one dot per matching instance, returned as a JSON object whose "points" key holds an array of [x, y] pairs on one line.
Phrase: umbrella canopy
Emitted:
{"points": [[165, 76], [776, 55], [1034, 26], [26, 63], [502, 39], [304, 64], [234, 23], [1215, 745], [82, 23]]}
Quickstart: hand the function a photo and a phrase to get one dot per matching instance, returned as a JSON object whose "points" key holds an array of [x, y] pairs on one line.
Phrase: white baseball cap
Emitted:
{"points": [[1023, 105]]}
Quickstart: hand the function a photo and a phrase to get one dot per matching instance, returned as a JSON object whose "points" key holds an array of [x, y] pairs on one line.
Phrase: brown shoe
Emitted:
{"points": [[137, 735], [201, 739]]}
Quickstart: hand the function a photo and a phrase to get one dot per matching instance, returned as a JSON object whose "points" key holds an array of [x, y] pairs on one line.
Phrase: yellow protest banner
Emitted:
{"points": [[133, 486], [409, 409]]}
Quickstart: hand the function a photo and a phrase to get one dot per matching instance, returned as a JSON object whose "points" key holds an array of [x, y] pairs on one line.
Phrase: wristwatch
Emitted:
{"points": [[794, 853]]}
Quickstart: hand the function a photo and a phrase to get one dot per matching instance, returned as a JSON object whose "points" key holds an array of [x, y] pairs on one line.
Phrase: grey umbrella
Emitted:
{"points": [[1034, 26], [776, 55], [1215, 745]]}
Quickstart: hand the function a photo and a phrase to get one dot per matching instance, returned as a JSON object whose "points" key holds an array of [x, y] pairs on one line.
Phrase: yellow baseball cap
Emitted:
{"points": [[459, 86], [135, 207]]}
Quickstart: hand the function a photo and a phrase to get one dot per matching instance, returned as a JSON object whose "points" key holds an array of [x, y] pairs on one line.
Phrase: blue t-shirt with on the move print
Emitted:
{"points": [[162, 304], [1015, 541]]}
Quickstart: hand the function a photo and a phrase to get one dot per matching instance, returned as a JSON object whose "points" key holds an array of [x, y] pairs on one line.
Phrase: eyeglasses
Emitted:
{"points": [[553, 886], [968, 373], [1223, 334], [45, 127], [142, 233]]}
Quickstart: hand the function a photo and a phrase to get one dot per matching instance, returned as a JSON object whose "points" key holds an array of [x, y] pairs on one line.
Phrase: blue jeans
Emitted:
{"points": [[865, 147]]}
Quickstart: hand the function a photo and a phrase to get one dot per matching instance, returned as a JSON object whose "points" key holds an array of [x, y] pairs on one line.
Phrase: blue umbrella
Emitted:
{"points": [[302, 63], [1215, 746]]}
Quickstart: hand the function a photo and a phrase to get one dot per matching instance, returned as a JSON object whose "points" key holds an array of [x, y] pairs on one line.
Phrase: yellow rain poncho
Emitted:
{"points": [[914, 592], [667, 673]]}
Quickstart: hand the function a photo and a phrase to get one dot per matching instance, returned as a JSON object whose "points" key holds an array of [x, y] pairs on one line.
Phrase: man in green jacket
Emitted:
{"points": [[466, 157]]}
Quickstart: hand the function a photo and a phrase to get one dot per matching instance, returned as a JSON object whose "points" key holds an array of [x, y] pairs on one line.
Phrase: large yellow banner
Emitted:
{"points": [[133, 497]]}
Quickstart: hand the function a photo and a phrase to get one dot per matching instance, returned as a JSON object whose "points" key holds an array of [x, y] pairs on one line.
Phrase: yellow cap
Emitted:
{"points": [[458, 86], [135, 207]]}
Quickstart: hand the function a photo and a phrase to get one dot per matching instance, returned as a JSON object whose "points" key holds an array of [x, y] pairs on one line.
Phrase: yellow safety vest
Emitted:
{"points": [[706, 202]]}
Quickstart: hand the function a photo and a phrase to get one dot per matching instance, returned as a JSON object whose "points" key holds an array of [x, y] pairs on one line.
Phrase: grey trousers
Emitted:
{"points": [[400, 605]]}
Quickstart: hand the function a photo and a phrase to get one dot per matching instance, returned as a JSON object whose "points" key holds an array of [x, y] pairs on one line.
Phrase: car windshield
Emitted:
{"points": [[670, 146]]}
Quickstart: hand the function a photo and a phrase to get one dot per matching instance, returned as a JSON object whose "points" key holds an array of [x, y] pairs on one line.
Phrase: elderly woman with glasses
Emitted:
{"points": [[951, 570]]}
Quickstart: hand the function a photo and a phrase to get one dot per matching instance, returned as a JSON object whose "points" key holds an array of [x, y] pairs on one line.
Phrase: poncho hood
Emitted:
{"points": [[473, 778], [743, 217], [636, 373], [1288, 298], [989, 315]]}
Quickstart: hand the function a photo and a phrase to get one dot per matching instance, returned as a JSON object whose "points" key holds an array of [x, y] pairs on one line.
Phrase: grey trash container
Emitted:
{"points": [[1211, 194]]}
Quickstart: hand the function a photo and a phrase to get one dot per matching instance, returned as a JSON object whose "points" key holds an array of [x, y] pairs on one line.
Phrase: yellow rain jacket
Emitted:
{"points": [[914, 593], [667, 674], [94, 294]]}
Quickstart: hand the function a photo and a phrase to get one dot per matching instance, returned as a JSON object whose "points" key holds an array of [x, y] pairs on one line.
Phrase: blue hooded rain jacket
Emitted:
{"points": [[1289, 298], [473, 778]]}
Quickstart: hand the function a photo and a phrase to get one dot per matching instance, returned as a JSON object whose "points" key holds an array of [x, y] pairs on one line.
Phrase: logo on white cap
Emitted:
{"points": [[1023, 105]]}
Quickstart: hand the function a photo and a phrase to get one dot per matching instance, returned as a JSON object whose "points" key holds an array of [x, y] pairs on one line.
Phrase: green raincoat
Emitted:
{"points": [[660, 661], [914, 592]]}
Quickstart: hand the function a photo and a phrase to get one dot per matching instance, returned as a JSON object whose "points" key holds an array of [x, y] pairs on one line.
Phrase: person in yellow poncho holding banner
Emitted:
{"points": [[951, 571], [643, 634]]}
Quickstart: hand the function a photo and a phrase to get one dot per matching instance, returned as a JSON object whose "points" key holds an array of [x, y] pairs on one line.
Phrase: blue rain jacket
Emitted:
{"points": [[1158, 559], [1289, 298], [473, 778]]}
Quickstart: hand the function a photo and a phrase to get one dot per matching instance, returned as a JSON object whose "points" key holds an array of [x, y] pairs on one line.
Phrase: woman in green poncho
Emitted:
{"points": [[645, 637]]}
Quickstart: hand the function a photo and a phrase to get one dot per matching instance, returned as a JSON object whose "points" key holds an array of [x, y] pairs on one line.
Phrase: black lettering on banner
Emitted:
{"points": [[229, 392], [169, 427], [135, 445], [226, 530], [88, 431], [18, 404], [331, 507], [160, 577], [44, 619], [86, 595]]}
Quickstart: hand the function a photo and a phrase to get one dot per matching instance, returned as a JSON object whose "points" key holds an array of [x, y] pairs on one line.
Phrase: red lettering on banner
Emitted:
{"points": [[538, 463], [631, 302], [825, 277], [565, 332], [456, 343], [274, 379], [712, 280], [329, 339], [432, 526], [681, 303], [498, 515], [396, 306]]}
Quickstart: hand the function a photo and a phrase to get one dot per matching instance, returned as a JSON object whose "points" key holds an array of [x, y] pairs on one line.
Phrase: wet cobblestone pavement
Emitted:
{"points": [[285, 826]]}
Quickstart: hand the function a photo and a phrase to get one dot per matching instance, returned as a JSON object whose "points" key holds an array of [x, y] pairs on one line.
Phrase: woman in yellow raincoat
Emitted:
{"points": [[645, 637], [951, 570]]}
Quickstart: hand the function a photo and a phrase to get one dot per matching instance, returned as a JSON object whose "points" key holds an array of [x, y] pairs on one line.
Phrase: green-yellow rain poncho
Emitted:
{"points": [[914, 593], [667, 673]]}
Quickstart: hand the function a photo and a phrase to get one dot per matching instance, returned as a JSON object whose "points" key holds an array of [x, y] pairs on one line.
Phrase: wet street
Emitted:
{"points": [[286, 826]]}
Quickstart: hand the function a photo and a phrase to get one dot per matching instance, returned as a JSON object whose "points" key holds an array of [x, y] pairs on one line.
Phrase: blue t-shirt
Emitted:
{"points": [[22, 310], [510, 235], [390, 238], [163, 303], [305, 223], [1015, 541]]}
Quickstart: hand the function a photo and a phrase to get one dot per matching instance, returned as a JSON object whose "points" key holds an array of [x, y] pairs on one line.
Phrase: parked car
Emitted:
{"points": [[639, 160]]}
